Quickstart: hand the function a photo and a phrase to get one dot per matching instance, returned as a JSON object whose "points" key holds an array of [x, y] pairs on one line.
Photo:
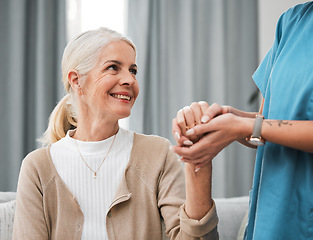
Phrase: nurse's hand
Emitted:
{"points": [[216, 130], [218, 133]]}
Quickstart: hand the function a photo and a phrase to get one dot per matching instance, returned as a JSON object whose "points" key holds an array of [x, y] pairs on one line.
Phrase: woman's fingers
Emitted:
{"points": [[180, 118], [179, 138], [197, 112], [185, 121], [204, 106], [191, 121], [189, 117], [176, 130], [179, 130], [211, 112]]}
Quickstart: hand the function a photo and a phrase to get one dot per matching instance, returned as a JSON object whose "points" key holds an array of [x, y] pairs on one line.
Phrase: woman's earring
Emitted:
{"points": [[80, 91]]}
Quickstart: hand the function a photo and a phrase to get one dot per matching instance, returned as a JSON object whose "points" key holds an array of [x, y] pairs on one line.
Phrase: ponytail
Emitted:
{"points": [[61, 120]]}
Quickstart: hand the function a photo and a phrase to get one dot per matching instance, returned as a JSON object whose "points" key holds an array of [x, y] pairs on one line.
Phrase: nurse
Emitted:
{"points": [[281, 199]]}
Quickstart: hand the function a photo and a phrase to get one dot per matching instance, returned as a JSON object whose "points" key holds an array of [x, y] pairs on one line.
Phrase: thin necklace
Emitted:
{"points": [[95, 172]]}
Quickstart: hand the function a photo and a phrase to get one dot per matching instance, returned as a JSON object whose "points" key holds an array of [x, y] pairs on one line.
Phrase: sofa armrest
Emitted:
{"points": [[231, 212]]}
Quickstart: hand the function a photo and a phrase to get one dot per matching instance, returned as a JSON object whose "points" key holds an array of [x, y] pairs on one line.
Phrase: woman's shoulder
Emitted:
{"points": [[150, 139], [37, 156], [38, 163]]}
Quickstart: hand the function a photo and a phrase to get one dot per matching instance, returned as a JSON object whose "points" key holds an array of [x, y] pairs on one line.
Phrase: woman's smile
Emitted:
{"points": [[122, 96]]}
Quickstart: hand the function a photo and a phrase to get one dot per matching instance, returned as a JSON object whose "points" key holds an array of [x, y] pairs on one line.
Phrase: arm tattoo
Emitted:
{"points": [[280, 123]]}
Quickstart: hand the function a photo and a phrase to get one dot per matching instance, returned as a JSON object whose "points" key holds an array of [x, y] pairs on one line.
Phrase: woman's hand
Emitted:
{"points": [[187, 118]]}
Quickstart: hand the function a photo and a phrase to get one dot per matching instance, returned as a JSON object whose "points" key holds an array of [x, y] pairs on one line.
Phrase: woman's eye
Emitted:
{"points": [[133, 71], [113, 67]]}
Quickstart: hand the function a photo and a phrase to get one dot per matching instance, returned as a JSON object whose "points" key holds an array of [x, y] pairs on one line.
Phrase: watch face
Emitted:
{"points": [[256, 141]]}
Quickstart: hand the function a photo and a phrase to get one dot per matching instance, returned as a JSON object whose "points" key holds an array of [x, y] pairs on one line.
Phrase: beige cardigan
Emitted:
{"points": [[152, 190]]}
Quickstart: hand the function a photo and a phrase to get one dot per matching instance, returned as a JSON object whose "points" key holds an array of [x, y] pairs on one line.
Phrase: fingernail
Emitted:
{"points": [[197, 169], [190, 132], [179, 160], [177, 135], [205, 119], [188, 142]]}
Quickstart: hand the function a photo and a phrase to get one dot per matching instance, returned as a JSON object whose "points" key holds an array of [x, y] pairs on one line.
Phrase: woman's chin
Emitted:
{"points": [[123, 115]]}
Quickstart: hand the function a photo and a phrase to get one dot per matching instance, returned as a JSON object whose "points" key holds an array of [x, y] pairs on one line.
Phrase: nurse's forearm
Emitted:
{"points": [[293, 134]]}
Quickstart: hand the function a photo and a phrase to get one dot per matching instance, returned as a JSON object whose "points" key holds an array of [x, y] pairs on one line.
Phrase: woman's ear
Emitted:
{"points": [[74, 80], [72, 77]]}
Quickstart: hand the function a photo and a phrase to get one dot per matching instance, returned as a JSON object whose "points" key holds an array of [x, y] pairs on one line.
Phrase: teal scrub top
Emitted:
{"points": [[281, 199]]}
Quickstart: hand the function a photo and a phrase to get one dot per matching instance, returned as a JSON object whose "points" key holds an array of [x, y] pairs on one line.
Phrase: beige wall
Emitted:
{"points": [[269, 12]]}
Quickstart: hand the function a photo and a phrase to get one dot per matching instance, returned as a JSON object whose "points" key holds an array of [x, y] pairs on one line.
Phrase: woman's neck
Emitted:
{"points": [[95, 131]]}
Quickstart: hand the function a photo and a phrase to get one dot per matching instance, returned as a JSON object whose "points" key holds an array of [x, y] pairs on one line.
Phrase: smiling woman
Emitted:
{"points": [[98, 174]]}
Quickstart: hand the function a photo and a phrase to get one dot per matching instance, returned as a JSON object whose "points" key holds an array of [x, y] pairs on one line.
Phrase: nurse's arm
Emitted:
{"points": [[293, 134]]}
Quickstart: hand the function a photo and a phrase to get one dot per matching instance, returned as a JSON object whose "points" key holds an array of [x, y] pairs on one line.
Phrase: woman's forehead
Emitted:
{"points": [[117, 50]]}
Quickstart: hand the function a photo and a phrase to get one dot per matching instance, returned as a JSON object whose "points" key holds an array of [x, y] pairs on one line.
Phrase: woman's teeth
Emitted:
{"points": [[124, 97]]}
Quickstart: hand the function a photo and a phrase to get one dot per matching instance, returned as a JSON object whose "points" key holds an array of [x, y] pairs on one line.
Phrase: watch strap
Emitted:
{"points": [[255, 139], [257, 126]]}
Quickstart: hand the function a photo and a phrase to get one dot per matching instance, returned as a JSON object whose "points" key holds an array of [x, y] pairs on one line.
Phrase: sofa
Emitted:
{"points": [[231, 211]]}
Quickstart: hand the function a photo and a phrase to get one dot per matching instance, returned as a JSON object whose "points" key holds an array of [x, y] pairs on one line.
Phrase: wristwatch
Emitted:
{"points": [[255, 139]]}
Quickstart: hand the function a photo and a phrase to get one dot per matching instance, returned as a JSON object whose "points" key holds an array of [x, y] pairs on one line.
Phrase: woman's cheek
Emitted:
{"points": [[136, 90]]}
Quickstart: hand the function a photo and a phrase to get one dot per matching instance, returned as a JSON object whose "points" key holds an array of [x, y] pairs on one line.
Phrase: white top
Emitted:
{"points": [[94, 195]]}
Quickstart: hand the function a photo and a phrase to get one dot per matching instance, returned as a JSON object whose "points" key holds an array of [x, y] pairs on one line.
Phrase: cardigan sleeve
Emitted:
{"points": [[29, 220], [205, 228], [171, 198]]}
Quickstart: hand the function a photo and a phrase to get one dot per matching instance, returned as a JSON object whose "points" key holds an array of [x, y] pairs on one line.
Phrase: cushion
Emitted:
{"points": [[231, 212], [7, 196], [6, 219]]}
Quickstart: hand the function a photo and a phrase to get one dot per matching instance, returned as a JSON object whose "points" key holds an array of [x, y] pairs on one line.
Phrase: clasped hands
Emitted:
{"points": [[202, 131]]}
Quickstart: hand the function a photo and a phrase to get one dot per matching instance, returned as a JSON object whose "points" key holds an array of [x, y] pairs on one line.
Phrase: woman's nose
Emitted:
{"points": [[127, 78]]}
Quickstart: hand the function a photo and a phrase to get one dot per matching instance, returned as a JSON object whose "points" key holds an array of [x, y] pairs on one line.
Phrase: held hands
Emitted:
{"points": [[186, 119], [202, 131]]}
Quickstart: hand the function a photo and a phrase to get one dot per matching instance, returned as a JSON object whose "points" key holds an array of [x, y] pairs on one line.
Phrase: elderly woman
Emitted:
{"points": [[281, 199], [95, 180]]}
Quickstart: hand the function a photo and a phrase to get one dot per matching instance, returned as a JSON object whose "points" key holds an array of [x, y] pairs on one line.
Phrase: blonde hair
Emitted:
{"points": [[80, 54]]}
